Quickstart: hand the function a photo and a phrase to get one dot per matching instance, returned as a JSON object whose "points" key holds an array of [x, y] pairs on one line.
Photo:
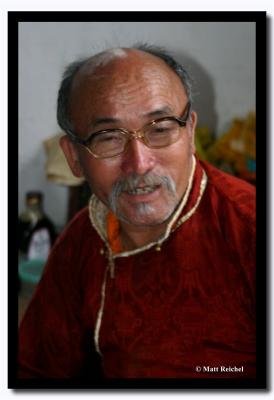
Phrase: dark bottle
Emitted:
{"points": [[36, 232]]}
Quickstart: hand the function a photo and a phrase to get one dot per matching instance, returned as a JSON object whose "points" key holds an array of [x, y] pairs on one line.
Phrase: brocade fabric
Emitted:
{"points": [[165, 312]]}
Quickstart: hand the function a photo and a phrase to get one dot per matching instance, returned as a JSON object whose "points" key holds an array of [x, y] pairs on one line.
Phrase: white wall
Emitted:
{"points": [[219, 56]]}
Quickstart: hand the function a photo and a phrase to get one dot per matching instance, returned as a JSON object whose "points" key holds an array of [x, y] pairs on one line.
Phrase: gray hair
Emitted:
{"points": [[70, 72]]}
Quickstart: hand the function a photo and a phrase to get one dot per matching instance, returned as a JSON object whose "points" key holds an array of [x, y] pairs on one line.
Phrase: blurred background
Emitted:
{"points": [[220, 57]]}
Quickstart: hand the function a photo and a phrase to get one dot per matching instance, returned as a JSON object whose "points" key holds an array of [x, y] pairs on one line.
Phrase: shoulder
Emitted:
{"points": [[229, 212], [74, 250], [230, 193], [79, 221], [77, 234]]}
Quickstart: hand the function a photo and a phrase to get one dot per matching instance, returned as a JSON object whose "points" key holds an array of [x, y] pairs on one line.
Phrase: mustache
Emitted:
{"points": [[134, 181]]}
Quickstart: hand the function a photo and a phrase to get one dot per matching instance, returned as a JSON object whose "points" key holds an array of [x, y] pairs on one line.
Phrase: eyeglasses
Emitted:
{"points": [[156, 134]]}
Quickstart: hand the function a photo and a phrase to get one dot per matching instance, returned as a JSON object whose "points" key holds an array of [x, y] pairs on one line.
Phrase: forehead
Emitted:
{"points": [[132, 85]]}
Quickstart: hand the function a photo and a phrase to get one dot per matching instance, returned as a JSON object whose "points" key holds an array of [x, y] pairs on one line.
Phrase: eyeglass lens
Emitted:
{"points": [[159, 134]]}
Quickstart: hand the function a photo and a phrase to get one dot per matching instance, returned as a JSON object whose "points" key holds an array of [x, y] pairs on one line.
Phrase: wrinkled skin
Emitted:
{"points": [[130, 92]]}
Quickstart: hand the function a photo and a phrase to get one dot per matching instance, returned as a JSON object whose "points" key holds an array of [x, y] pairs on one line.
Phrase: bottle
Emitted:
{"points": [[36, 232]]}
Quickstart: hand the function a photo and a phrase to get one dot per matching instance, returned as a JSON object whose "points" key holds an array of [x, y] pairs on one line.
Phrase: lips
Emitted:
{"points": [[141, 190], [145, 194]]}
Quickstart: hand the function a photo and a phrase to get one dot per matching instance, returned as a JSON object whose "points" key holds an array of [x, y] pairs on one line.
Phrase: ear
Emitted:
{"points": [[71, 156], [193, 124]]}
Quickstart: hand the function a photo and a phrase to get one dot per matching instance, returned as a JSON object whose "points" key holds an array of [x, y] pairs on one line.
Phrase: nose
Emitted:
{"points": [[138, 158]]}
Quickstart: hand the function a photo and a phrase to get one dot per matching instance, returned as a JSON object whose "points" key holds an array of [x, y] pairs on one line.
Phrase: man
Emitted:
{"points": [[157, 275]]}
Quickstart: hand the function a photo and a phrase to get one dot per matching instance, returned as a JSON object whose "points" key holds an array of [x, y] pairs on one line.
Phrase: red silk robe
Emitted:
{"points": [[162, 312]]}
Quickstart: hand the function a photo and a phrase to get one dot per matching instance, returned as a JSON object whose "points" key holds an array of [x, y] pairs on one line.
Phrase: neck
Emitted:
{"points": [[133, 237]]}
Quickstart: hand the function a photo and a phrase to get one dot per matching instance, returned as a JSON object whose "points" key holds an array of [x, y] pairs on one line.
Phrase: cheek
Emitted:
{"points": [[177, 159], [177, 164], [101, 175]]}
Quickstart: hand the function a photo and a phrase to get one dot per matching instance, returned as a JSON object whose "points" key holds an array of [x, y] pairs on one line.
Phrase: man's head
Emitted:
{"points": [[128, 88]]}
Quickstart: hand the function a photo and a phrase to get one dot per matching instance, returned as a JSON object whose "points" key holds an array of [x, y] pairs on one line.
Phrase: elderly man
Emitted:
{"points": [[157, 274]]}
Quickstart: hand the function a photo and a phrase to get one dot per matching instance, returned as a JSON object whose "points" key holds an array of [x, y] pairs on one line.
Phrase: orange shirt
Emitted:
{"points": [[113, 232]]}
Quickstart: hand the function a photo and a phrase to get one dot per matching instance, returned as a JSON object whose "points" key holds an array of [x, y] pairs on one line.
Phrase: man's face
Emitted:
{"points": [[142, 186]]}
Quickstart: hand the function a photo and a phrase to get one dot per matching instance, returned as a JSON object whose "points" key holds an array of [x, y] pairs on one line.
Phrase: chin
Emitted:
{"points": [[144, 215]]}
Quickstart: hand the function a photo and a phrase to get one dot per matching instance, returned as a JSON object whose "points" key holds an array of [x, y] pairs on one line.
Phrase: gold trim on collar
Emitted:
{"points": [[98, 213]]}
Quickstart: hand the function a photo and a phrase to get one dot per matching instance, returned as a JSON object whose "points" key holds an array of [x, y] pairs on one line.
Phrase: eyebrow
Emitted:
{"points": [[159, 112], [103, 120]]}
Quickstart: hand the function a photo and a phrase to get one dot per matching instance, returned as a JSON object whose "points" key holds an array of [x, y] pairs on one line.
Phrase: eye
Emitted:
{"points": [[108, 137], [161, 129], [165, 126]]}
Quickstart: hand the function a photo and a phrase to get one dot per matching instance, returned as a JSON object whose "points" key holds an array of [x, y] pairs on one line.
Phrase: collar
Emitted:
{"points": [[98, 214]]}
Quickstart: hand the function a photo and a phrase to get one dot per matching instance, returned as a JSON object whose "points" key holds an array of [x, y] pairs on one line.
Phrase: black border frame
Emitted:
{"points": [[260, 18]]}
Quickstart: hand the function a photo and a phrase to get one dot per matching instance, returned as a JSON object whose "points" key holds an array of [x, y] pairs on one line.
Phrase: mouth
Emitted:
{"points": [[142, 193], [141, 190]]}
